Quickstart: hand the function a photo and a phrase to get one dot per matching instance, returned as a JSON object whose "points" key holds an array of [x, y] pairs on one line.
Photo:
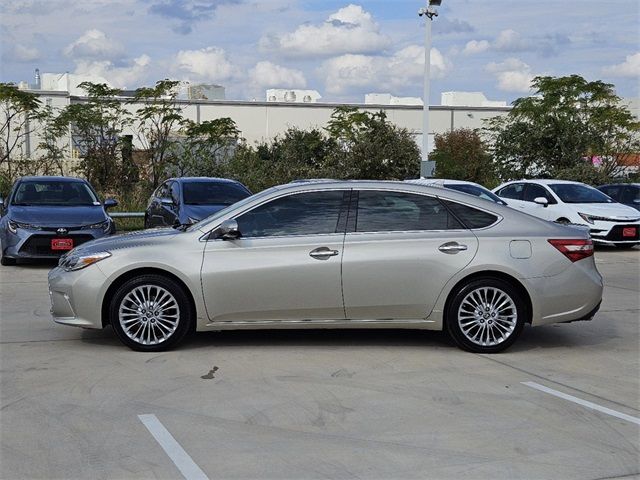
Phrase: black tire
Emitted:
{"points": [[6, 261], [509, 329], [180, 308]]}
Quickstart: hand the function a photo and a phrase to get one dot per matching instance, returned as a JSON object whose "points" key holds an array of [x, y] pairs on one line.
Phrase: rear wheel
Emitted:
{"points": [[486, 315], [151, 313]]}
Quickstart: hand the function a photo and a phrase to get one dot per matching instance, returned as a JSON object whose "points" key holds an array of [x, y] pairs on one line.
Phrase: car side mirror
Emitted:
{"points": [[110, 202], [228, 230], [541, 201]]}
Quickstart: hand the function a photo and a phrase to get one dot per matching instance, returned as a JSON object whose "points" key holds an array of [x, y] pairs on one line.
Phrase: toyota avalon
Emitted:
{"points": [[358, 254]]}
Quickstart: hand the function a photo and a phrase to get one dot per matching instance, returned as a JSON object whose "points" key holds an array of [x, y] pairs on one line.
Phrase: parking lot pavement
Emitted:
{"points": [[321, 404]]}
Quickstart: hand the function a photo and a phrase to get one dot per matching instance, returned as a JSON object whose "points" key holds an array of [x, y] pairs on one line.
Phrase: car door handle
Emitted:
{"points": [[452, 247], [323, 253]]}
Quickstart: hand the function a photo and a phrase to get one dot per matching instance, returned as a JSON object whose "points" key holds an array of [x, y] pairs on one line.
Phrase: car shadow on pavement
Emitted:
{"points": [[538, 338]]}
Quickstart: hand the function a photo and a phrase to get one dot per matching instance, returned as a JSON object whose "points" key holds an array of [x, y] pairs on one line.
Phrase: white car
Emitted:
{"points": [[469, 188], [609, 222]]}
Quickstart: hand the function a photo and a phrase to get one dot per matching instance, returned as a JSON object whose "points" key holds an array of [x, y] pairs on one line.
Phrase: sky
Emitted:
{"points": [[344, 50]]}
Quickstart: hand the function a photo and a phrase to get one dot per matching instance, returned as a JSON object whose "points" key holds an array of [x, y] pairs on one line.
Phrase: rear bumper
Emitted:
{"points": [[574, 294], [588, 316]]}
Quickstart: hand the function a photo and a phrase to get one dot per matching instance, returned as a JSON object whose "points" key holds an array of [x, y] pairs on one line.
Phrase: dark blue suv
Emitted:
{"points": [[44, 217], [187, 200]]}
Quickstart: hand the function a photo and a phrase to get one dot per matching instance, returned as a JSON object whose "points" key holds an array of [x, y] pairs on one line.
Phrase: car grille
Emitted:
{"points": [[41, 244], [615, 235]]}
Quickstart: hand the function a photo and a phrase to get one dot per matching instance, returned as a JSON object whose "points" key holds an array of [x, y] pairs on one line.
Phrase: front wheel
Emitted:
{"points": [[485, 315], [151, 313]]}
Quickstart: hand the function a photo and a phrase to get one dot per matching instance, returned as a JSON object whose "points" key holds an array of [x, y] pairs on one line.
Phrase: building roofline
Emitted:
{"points": [[296, 105]]}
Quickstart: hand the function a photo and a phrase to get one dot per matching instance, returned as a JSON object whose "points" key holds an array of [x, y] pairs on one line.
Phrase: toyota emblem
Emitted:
{"points": [[62, 231]]}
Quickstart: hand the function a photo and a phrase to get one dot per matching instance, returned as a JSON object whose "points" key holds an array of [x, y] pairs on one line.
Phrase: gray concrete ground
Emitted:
{"points": [[318, 404]]}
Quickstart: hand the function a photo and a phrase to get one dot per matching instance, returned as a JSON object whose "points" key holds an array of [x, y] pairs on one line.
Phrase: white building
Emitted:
{"points": [[469, 99], [388, 99]]}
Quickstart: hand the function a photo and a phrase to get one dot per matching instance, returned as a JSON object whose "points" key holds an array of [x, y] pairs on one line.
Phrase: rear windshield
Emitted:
{"points": [[54, 192], [210, 193], [476, 191], [573, 193]]}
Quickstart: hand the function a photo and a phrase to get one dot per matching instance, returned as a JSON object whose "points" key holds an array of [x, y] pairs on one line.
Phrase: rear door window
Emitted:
{"points": [[513, 191], [382, 211]]}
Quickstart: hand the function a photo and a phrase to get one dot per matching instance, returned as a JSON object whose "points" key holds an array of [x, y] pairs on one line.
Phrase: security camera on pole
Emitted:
{"points": [[427, 167]]}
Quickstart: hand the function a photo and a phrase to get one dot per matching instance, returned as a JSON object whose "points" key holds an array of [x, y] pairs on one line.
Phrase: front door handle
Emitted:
{"points": [[452, 247], [323, 253]]}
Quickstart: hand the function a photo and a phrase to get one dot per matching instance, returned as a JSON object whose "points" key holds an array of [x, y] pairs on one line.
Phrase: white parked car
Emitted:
{"points": [[609, 222], [469, 188]]}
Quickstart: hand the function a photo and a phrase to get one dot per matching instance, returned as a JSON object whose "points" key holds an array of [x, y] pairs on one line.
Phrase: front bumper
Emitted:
{"points": [[75, 298], [612, 233], [36, 244]]}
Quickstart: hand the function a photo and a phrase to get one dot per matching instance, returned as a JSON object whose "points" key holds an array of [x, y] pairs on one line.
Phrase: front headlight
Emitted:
{"points": [[587, 218], [14, 226], [104, 226], [73, 261]]}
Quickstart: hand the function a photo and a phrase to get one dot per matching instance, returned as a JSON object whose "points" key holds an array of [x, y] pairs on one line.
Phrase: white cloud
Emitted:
{"points": [[510, 41], [476, 46], [24, 53], [209, 64], [94, 45], [121, 77], [349, 30], [270, 75], [351, 72], [629, 68], [513, 75]]}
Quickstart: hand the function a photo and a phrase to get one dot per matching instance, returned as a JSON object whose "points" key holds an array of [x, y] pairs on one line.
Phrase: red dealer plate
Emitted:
{"points": [[61, 243], [629, 232]]}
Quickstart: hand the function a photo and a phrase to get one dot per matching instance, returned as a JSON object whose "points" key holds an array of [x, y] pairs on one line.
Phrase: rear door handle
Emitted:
{"points": [[452, 247], [323, 253]]}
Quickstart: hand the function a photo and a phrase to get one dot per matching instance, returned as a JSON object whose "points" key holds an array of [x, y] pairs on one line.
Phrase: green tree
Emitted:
{"points": [[18, 110], [558, 131], [157, 121], [97, 127], [293, 155], [205, 147], [370, 147], [462, 155]]}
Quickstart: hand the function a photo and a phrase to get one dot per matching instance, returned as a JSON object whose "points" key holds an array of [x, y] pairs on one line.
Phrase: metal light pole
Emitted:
{"points": [[427, 167]]}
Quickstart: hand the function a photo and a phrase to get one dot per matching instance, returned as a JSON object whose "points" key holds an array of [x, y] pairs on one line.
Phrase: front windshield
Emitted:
{"points": [[212, 193], [576, 193], [54, 193], [477, 191]]}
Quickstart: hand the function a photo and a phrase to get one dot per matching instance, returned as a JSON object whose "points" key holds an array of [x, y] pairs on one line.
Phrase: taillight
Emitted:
{"points": [[574, 250]]}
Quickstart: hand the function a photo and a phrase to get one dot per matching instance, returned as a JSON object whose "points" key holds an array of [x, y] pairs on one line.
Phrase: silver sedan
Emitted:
{"points": [[335, 255]]}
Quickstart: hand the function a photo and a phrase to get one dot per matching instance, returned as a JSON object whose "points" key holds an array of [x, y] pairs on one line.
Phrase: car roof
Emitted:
{"points": [[619, 185], [202, 179], [38, 178], [441, 181], [545, 181]]}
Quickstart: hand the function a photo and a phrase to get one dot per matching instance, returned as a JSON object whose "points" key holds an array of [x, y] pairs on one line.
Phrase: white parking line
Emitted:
{"points": [[584, 403], [181, 459]]}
